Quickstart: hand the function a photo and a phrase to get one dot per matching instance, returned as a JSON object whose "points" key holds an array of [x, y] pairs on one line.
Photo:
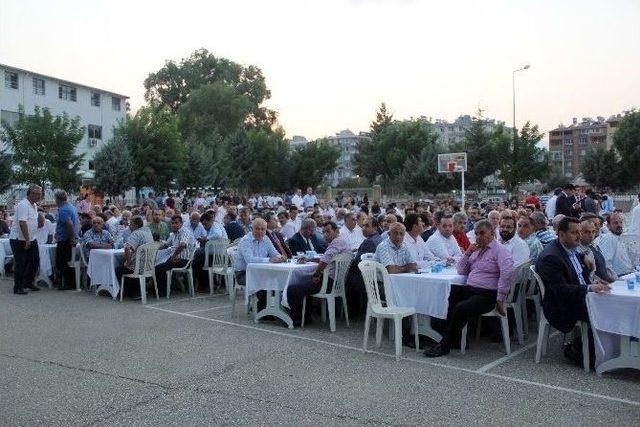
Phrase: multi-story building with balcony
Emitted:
{"points": [[453, 133], [568, 145], [99, 110], [347, 143]]}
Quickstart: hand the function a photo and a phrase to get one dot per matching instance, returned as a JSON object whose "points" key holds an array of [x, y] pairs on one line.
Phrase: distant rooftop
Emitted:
{"points": [[21, 70]]}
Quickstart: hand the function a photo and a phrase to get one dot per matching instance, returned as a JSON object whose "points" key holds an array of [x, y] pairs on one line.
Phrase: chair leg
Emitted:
{"points": [[304, 310], [169, 283], [155, 286], [345, 310], [143, 289], [121, 288], [77, 271], [232, 295], [463, 338], [192, 291], [525, 317], [379, 327], [584, 333], [504, 323], [331, 306], [397, 326], [517, 314], [542, 339], [416, 332], [367, 324], [545, 342], [210, 272]]}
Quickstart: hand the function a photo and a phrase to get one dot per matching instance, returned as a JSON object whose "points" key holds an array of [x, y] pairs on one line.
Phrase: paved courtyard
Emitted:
{"points": [[71, 358]]}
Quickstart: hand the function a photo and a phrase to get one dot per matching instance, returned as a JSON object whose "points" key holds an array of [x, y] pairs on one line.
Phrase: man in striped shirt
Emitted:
{"points": [[540, 224]]}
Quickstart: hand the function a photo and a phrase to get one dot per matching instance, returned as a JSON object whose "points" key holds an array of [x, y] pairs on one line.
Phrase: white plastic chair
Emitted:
{"points": [[375, 308], [342, 263], [183, 270], [632, 245], [143, 268], [368, 257], [543, 330], [531, 293], [79, 265], [216, 262], [511, 302], [232, 252]]}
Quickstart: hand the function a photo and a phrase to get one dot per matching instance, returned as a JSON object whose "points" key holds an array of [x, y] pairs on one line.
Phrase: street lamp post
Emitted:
{"points": [[513, 86]]}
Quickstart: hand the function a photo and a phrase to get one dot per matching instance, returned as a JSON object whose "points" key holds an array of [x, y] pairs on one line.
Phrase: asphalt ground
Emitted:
{"points": [[73, 358]]}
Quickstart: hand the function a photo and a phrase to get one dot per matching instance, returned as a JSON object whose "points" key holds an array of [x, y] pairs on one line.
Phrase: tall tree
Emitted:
{"points": [[601, 168], [6, 171], [626, 140], [368, 159], [420, 173], [172, 85], [44, 148], [214, 108], [114, 167], [155, 145], [481, 154], [527, 163], [311, 162], [207, 162]]}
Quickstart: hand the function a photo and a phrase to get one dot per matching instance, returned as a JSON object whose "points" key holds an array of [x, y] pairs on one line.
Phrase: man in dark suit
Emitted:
{"points": [[274, 235], [566, 280], [306, 239], [566, 203], [231, 226], [356, 293]]}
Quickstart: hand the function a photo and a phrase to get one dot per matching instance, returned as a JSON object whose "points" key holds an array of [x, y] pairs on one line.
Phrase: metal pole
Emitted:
{"points": [[462, 192], [513, 87]]}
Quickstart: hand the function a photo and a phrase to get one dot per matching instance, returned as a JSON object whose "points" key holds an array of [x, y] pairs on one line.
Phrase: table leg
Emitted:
{"points": [[273, 308], [629, 356]]}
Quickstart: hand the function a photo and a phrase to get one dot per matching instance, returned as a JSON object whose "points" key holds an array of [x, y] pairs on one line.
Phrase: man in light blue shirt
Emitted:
{"points": [[255, 247], [309, 199], [211, 230], [393, 252]]}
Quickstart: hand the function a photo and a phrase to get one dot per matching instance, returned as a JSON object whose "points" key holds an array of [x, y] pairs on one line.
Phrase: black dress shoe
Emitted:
{"points": [[33, 288], [20, 291], [436, 351]]}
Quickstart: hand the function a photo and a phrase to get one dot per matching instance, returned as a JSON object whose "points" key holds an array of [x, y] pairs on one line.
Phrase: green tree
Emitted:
{"points": [[368, 159], [527, 163], [601, 168], [6, 171], [478, 143], [311, 162], [172, 85], [626, 141], [114, 167], [213, 108], [420, 174], [207, 162], [44, 148], [155, 145]]}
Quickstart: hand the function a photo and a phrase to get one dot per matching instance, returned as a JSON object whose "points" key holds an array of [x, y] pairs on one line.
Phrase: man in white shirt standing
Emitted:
{"points": [[309, 199], [550, 207], [416, 246], [517, 247], [612, 247], [351, 232], [442, 244], [634, 227], [24, 245]]}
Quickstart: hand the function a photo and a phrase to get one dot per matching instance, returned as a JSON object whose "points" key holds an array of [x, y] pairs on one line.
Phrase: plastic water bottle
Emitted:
{"points": [[631, 283]]}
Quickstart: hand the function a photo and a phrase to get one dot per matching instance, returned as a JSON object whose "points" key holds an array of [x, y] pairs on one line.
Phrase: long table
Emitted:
{"points": [[615, 321], [428, 293], [275, 279], [101, 269]]}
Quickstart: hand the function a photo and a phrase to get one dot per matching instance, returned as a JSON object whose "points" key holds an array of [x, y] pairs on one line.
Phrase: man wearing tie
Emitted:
{"points": [[306, 239], [274, 235]]}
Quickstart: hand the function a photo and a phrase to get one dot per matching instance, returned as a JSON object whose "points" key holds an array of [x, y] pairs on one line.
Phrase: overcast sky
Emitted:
{"points": [[330, 63]]}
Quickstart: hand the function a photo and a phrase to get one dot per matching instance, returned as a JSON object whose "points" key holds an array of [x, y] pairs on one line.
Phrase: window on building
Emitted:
{"points": [[92, 165], [10, 80], [95, 99], [67, 93], [115, 103], [38, 86], [94, 131]]}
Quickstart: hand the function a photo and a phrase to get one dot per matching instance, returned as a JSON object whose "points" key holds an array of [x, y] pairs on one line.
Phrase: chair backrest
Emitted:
{"points": [[235, 242], [232, 253], [518, 278], [145, 258], [368, 257], [372, 271], [218, 250], [538, 280], [342, 263]]}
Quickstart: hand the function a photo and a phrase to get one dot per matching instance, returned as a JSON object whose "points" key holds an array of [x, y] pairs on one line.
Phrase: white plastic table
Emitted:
{"points": [[428, 293], [275, 279], [615, 321], [101, 269]]}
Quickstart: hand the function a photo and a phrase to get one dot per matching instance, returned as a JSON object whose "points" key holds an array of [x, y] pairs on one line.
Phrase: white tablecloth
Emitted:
{"points": [[276, 277], [47, 256], [6, 246], [613, 315], [102, 269], [428, 293]]}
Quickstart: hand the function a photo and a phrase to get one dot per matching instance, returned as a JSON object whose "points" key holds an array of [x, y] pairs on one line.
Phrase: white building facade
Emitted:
{"points": [[99, 110], [455, 132], [347, 142]]}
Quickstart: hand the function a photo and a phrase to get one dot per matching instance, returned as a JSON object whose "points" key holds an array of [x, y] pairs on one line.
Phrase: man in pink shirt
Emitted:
{"points": [[488, 266]]}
